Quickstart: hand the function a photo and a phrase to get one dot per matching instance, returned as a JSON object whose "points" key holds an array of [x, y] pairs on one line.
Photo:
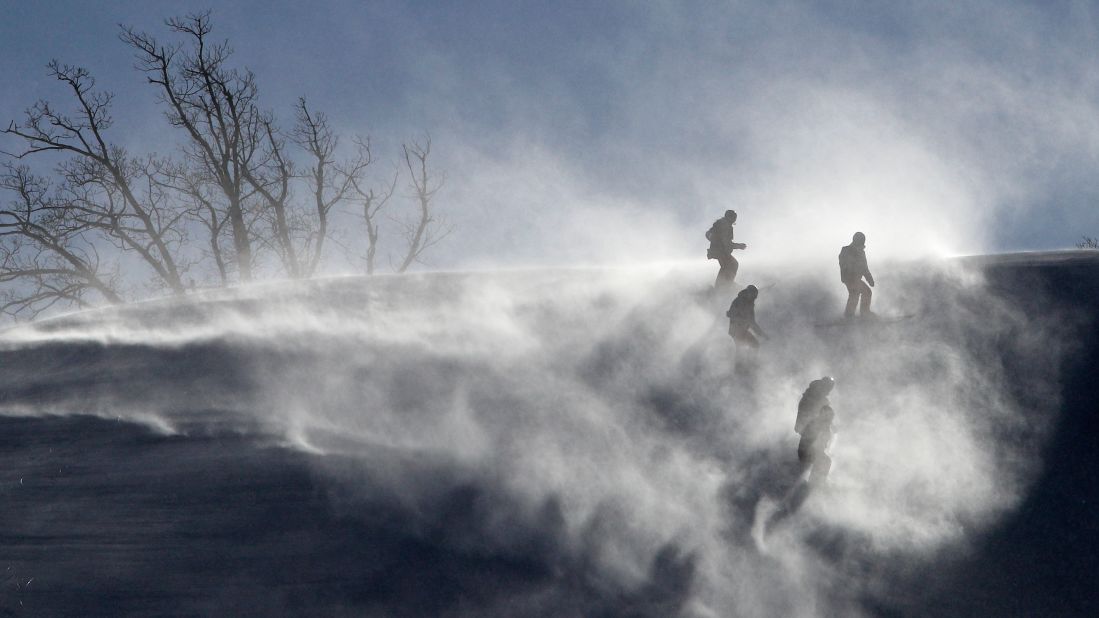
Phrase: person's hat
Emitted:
{"points": [[859, 238]]}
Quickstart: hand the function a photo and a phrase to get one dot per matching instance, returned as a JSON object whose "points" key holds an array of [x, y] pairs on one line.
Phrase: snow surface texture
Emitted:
{"points": [[592, 422]]}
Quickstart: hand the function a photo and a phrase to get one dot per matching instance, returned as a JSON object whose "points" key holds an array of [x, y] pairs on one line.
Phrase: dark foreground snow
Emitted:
{"points": [[557, 443]]}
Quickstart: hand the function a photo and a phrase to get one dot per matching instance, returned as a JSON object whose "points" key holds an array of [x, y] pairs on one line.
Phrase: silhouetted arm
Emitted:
{"points": [[759, 331], [866, 271], [755, 325]]}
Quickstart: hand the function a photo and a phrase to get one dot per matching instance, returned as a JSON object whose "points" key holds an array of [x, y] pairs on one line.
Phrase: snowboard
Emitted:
{"points": [[857, 322]]}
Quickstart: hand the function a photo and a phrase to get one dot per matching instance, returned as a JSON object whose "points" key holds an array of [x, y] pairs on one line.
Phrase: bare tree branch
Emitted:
{"points": [[425, 232], [216, 107], [44, 256], [99, 163], [372, 204]]}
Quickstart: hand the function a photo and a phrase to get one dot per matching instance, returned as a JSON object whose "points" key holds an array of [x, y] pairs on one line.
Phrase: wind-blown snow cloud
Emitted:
{"points": [[596, 418]]}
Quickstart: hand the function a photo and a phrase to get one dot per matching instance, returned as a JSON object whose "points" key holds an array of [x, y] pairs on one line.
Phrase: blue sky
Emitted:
{"points": [[617, 131]]}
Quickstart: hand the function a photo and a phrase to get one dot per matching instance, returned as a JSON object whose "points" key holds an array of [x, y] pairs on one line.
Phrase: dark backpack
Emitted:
{"points": [[711, 234]]}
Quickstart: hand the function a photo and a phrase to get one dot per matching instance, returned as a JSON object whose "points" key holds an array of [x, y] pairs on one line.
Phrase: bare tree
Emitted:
{"points": [[202, 208], [216, 107], [1088, 243], [425, 230], [242, 151], [329, 181], [240, 186], [101, 177], [270, 181], [45, 254], [373, 202]]}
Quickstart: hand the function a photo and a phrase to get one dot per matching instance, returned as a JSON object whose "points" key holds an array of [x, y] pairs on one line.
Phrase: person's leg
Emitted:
{"points": [[746, 346], [751, 341], [743, 337], [864, 304], [723, 271], [807, 457], [822, 464], [852, 300], [734, 266]]}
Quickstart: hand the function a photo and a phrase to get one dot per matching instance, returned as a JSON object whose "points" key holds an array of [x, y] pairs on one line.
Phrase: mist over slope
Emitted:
{"points": [[557, 443]]}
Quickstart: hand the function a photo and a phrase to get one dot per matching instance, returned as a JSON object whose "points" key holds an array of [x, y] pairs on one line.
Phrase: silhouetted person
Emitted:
{"points": [[721, 248], [742, 319], [812, 401], [814, 425], [815, 438], [853, 269]]}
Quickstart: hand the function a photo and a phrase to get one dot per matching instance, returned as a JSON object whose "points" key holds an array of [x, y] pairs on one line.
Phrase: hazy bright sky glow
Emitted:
{"points": [[617, 131]]}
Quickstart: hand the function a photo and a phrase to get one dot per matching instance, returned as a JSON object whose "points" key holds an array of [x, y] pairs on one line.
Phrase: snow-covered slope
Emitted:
{"points": [[558, 443]]}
